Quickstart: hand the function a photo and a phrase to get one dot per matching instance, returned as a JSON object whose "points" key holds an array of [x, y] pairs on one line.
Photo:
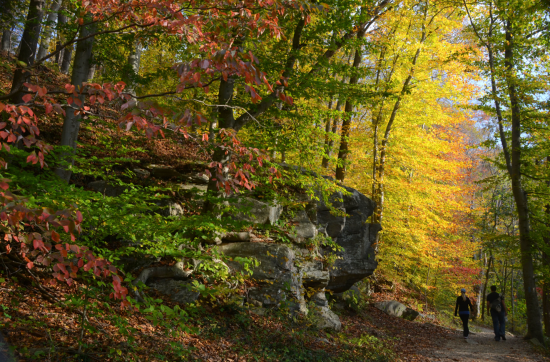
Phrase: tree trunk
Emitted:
{"points": [[61, 21], [48, 30], [379, 200], [71, 125], [485, 288], [66, 63], [481, 288], [133, 62], [534, 326], [91, 73], [6, 40], [546, 268], [329, 141], [343, 152], [546, 296], [7, 10], [29, 42]]}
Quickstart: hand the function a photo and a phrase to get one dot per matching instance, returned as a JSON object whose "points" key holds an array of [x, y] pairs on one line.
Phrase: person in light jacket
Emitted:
{"points": [[464, 307]]}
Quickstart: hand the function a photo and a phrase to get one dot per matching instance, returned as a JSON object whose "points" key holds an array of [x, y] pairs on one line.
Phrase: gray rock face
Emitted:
{"points": [[303, 227], [179, 291], [397, 309], [313, 275], [353, 234], [278, 277], [282, 276], [259, 212]]}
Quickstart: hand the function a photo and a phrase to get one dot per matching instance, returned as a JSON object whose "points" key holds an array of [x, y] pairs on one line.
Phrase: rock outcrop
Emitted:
{"points": [[353, 234], [293, 274]]}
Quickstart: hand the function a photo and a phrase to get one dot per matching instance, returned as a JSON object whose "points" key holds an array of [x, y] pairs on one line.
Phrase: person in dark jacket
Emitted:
{"points": [[464, 307], [498, 310]]}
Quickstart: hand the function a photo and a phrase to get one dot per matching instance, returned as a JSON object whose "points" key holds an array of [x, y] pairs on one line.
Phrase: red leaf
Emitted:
{"points": [[27, 98], [55, 237]]}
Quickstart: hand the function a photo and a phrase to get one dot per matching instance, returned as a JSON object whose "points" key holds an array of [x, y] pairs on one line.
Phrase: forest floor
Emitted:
{"points": [[481, 346]]}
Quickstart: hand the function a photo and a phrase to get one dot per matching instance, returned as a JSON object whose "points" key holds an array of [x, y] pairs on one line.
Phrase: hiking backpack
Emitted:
{"points": [[497, 304]]}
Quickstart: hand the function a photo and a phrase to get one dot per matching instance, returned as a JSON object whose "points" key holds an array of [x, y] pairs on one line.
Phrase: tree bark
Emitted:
{"points": [[546, 266], [134, 60], [48, 30], [61, 21], [329, 141], [534, 326], [546, 296], [66, 63], [71, 125], [343, 152], [485, 288], [7, 10], [29, 42], [6, 40]]}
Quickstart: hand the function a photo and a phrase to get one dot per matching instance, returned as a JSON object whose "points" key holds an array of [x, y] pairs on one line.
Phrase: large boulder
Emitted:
{"points": [[276, 275], [397, 309], [353, 234]]}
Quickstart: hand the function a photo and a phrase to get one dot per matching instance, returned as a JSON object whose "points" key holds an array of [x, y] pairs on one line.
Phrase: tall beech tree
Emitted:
{"points": [[506, 32]]}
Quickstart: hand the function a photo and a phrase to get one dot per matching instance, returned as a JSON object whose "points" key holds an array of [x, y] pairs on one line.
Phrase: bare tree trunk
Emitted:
{"points": [[546, 266], [71, 125], [91, 73], [7, 10], [6, 40], [485, 288], [48, 30], [329, 141], [66, 63], [29, 42], [61, 21], [546, 297], [512, 301], [481, 288], [134, 60], [343, 152]]}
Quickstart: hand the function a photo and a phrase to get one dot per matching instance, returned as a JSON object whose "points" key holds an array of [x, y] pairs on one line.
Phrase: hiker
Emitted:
{"points": [[495, 303], [464, 306]]}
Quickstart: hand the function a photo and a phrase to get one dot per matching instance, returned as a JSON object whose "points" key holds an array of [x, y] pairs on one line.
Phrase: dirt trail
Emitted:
{"points": [[481, 346]]}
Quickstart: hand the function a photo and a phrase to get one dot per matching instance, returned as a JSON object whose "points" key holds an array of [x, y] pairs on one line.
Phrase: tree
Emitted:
{"points": [[29, 42], [505, 31], [48, 29], [81, 69]]}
